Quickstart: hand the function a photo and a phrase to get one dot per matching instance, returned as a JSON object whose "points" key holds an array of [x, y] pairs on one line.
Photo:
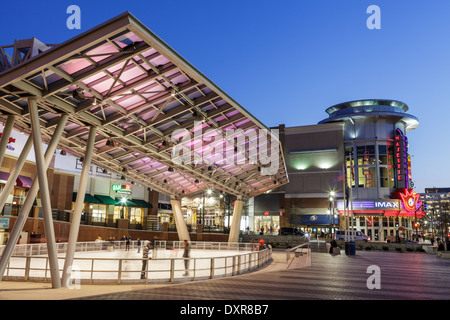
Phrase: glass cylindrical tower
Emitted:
{"points": [[376, 146]]}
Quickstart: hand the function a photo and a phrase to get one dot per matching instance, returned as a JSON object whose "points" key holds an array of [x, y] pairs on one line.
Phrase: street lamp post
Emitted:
{"points": [[332, 194]]}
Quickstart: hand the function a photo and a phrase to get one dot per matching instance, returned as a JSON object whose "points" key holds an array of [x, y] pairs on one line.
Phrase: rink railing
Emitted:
{"points": [[30, 263]]}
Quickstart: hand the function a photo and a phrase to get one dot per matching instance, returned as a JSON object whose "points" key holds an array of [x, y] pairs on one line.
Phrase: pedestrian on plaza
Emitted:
{"points": [[145, 258], [432, 241], [186, 255], [333, 244], [441, 246], [262, 244], [139, 245], [127, 246]]}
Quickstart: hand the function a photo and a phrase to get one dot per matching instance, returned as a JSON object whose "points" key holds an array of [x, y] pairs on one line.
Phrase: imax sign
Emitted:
{"points": [[394, 205]]}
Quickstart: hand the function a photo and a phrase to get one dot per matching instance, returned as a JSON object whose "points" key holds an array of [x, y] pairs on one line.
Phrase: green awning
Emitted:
{"points": [[106, 199], [129, 203], [142, 203], [87, 198]]}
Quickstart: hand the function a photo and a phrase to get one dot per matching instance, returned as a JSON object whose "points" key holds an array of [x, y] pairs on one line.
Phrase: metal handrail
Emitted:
{"points": [[289, 251], [218, 266]]}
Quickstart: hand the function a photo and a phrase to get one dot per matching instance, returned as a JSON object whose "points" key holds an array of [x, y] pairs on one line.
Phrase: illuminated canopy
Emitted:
{"points": [[137, 91]]}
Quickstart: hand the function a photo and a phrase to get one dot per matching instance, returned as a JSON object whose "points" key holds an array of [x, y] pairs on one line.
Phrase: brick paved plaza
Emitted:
{"points": [[404, 276]]}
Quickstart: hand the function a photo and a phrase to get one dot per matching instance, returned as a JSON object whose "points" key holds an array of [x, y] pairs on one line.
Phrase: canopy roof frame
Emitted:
{"points": [[136, 90]]}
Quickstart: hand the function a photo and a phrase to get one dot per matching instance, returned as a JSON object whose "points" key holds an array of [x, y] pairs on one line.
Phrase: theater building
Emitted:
{"points": [[362, 145]]}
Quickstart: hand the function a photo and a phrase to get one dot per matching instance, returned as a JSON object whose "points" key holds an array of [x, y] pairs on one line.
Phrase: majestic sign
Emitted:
{"points": [[401, 159]]}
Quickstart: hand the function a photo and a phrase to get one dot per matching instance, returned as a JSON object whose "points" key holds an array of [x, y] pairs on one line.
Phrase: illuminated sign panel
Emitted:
{"points": [[10, 141], [372, 205], [401, 159], [122, 188], [388, 205], [410, 200], [4, 223]]}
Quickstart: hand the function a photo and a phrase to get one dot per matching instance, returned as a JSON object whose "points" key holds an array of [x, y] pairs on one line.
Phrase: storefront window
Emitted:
{"points": [[376, 222], [118, 212], [98, 213], [136, 215], [267, 224], [362, 221]]}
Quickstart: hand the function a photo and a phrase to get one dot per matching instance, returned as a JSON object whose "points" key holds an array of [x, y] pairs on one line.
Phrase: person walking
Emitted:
{"points": [[127, 244], [145, 258], [186, 255], [139, 245]]}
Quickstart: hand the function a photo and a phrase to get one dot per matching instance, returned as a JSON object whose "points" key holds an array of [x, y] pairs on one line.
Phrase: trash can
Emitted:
{"points": [[350, 248]]}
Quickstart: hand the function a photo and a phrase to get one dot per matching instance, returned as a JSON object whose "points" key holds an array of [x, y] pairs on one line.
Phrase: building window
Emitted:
{"points": [[366, 155], [136, 215], [387, 177], [98, 212], [118, 212], [348, 164], [366, 161], [367, 177]]}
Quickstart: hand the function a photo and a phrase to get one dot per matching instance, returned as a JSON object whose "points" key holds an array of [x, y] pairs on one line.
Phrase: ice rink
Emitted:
{"points": [[121, 266]]}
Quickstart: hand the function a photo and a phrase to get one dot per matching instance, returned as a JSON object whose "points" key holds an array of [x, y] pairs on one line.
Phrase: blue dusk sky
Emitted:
{"points": [[286, 61]]}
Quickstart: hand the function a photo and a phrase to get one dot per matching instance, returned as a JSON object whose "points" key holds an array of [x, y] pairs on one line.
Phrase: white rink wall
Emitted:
{"points": [[100, 262]]}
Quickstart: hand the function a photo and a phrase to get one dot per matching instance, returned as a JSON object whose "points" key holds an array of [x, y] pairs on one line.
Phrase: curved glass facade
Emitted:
{"points": [[372, 156]]}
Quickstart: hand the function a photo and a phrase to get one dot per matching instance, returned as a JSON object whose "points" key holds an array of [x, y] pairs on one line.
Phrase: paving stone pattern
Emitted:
{"points": [[403, 276]]}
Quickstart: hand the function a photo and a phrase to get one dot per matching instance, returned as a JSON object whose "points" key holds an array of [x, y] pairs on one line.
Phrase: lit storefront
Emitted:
{"points": [[315, 223], [267, 214], [385, 219], [205, 209], [128, 208], [107, 209]]}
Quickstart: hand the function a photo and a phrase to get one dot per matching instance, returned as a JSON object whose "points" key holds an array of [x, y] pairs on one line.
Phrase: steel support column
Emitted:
{"points": [[4, 140], [235, 224], [44, 192], [15, 172], [29, 200], [183, 233], [76, 218]]}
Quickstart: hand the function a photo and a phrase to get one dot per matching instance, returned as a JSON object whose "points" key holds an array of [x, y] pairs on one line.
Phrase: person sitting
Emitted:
{"points": [[333, 244]]}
